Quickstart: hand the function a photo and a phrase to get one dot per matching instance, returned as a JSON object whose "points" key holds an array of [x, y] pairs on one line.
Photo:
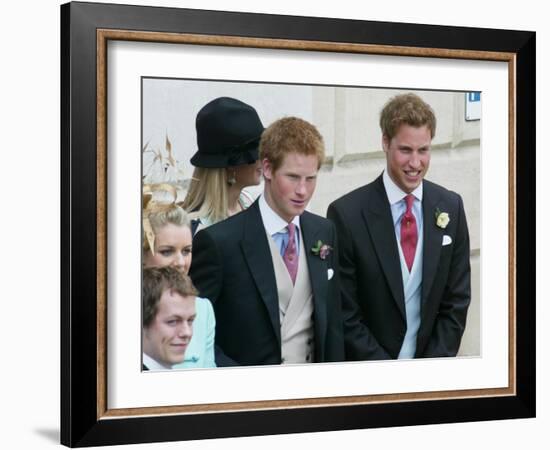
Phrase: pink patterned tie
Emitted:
{"points": [[290, 257], [409, 233]]}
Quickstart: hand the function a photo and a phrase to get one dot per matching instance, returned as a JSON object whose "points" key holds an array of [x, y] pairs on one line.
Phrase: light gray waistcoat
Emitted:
{"points": [[295, 308]]}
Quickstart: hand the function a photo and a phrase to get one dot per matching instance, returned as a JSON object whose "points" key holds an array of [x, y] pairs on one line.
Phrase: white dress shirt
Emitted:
{"points": [[396, 196], [153, 364]]}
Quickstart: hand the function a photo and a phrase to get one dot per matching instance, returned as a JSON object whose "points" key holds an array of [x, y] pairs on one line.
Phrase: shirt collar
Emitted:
{"points": [[273, 223], [152, 364], [395, 193]]}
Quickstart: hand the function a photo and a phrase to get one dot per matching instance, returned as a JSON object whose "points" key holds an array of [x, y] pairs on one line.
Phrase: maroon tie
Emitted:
{"points": [[290, 257], [409, 233]]}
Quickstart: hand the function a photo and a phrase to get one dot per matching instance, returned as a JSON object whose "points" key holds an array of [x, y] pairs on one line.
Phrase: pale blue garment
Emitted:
{"points": [[200, 352], [277, 227], [412, 282], [245, 200], [281, 240], [397, 211], [412, 290]]}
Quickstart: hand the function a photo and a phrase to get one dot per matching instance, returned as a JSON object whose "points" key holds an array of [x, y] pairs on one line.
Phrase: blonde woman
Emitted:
{"points": [[228, 134], [167, 242]]}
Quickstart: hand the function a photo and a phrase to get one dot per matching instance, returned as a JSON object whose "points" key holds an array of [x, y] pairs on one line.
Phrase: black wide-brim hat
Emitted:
{"points": [[228, 134]]}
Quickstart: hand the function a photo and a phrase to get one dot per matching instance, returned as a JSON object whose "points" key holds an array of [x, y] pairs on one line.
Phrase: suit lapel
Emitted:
{"points": [[258, 257], [317, 276], [433, 238], [378, 218]]}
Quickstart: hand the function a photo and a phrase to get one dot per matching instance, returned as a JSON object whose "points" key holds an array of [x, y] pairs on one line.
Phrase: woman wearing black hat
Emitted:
{"points": [[228, 134]]}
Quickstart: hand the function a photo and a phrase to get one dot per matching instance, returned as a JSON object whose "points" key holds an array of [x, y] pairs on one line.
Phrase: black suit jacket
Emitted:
{"points": [[371, 281], [232, 267]]}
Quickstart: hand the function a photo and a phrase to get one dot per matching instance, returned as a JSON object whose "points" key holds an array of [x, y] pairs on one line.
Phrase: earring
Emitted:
{"points": [[232, 180]]}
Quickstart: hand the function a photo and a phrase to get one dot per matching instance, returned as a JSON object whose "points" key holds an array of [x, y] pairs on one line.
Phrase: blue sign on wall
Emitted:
{"points": [[474, 96], [473, 106]]}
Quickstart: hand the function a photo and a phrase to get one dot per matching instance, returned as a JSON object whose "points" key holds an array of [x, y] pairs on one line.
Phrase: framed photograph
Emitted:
{"points": [[133, 81]]}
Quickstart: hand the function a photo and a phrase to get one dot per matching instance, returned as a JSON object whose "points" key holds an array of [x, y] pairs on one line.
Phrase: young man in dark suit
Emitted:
{"points": [[168, 302], [403, 248], [269, 270]]}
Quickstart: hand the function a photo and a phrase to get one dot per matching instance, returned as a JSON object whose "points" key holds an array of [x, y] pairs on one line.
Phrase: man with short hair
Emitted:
{"points": [[168, 300], [269, 270], [404, 249]]}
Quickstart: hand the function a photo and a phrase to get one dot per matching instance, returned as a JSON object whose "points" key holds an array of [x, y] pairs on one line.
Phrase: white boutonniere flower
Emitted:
{"points": [[441, 218]]}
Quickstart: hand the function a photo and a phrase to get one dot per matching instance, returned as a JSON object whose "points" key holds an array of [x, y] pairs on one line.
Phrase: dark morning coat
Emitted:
{"points": [[232, 267], [370, 274]]}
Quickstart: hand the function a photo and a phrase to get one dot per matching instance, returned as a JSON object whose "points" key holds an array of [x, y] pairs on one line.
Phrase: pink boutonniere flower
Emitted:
{"points": [[322, 250]]}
